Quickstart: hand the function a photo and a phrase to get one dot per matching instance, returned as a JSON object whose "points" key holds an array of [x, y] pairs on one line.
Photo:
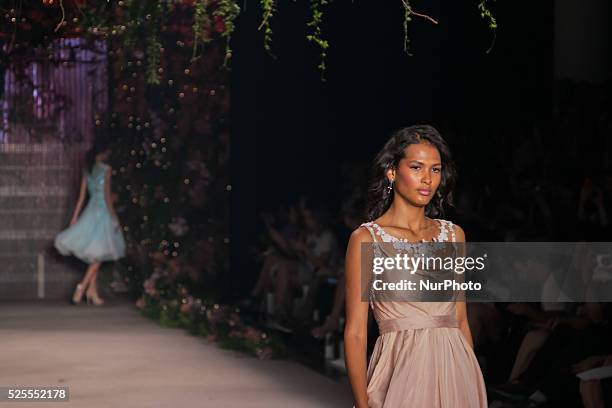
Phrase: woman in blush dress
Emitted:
{"points": [[95, 236], [423, 357]]}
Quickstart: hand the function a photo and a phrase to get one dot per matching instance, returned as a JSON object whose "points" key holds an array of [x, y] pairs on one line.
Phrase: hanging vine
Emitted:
{"points": [[153, 50], [408, 12], [201, 21], [224, 17], [140, 25], [315, 36], [487, 15], [269, 8]]}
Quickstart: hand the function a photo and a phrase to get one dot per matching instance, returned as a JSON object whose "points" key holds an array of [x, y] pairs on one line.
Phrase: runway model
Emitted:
{"points": [[96, 235], [424, 355]]}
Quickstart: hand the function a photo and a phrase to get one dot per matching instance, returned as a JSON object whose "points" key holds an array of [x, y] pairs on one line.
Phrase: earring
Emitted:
{"points": [[390, 186]]}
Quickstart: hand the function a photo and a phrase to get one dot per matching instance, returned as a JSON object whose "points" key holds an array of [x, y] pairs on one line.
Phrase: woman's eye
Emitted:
{"points": [[415, 167], [437, 170]]}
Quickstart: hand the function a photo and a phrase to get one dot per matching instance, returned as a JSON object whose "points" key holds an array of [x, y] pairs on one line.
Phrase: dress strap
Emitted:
{"points": [[368, 226], [446, 227], [452, 231]]}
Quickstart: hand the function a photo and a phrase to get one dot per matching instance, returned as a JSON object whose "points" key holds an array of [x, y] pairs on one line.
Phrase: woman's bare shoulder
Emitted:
{"points": [[360, 234]]}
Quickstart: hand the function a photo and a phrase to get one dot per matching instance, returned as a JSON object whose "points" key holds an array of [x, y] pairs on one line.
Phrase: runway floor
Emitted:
{"points": [[113, 357]]}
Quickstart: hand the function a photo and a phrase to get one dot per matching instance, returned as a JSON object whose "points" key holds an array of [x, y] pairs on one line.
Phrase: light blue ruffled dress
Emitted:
{"points": [[95, 237]]}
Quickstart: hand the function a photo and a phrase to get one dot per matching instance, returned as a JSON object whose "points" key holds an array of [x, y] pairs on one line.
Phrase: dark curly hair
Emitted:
{"points": [[380, 198]]}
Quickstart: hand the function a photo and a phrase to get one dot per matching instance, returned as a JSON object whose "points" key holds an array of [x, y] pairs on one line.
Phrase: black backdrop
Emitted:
{"points": [[291, 132]]}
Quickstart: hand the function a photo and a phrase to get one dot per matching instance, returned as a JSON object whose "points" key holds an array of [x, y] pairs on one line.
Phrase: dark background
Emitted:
{"points": [[292, 133]]}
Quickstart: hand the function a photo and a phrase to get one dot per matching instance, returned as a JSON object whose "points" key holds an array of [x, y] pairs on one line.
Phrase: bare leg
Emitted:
{"points": [[93, 283], [485, 323], [89, 274], [264, 281], [92, 290], [592, 396], [533, 341], [284, 282], [81, 288]]}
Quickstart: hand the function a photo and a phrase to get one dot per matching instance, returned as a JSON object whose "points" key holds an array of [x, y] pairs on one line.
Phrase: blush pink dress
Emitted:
{"points": [[421, 359]]}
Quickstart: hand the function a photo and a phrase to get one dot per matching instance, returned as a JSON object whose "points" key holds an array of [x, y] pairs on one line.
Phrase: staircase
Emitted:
{"points": [[38, 187]]}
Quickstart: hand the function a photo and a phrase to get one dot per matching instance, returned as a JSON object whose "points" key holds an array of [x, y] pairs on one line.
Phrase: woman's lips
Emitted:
{"points": [[424, 191]]}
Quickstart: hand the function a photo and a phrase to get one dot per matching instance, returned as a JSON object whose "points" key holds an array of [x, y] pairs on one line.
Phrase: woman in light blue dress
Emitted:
{"points": [[95, 236]]}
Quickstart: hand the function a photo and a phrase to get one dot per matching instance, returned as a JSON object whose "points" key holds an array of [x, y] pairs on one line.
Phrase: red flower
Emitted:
{"points": [[219, 24]]}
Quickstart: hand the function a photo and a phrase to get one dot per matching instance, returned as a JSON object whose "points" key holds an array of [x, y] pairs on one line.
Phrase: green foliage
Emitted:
{"points": [[269, 8], [227, 11], [201, 21], [140, 24], [407, 20], [315, 36], [487, 15]]}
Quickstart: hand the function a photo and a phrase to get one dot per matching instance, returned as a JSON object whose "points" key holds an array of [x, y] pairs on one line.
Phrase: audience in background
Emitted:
{"points": [[530, 353]]}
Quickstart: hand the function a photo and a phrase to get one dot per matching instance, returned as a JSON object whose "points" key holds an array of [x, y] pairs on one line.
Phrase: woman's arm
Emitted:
{"points": [[80, 201], [461, 308], [108, 194], [356, 328]]}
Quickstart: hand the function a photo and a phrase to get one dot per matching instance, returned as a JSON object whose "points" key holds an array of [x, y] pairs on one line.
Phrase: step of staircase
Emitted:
{"points": [[36, 276], [37, 196], [20, 174]]}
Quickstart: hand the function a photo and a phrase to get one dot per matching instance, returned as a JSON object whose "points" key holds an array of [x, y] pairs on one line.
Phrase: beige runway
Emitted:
{"points": [[113, 357]]}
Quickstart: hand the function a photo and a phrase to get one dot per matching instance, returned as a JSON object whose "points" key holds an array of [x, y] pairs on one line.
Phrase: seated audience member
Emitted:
{"points": [[316, 254], [595, 393], [280, 230], [549, 377]]}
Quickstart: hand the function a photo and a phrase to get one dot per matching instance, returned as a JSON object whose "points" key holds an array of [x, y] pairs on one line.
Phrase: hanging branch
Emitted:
{"points": [[224, 16], [486, 14], [59, 25], [316, 36], [407, 19], [200, 20], [268, 7], [408, 11], [153, 43]]}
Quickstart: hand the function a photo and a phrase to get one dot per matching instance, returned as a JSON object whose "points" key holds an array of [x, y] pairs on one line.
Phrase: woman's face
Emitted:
{"points": [[418, 174]]}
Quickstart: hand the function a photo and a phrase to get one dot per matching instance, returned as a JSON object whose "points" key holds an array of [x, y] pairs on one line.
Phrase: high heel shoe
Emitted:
{"points": [[77, 296], [94, 299]]}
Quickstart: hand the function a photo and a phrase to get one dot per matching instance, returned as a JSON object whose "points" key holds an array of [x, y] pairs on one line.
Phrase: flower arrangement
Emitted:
{"points": [[167, 300]]}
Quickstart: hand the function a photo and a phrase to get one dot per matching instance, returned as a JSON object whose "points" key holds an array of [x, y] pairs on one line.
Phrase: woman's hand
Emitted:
{"points": [[73, 221], [588, 363]]}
